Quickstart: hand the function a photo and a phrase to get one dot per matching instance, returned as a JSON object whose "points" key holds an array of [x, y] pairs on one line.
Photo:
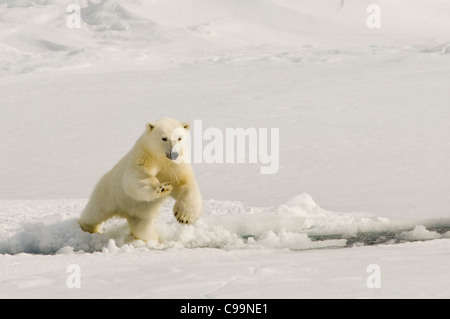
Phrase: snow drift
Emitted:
{"points": [[155, 33], [51, 227]]}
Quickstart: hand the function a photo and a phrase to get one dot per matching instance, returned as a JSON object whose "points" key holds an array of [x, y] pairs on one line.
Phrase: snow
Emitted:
{"points": [[233, 251], [364, 149], [421, 233], [56, 230]]}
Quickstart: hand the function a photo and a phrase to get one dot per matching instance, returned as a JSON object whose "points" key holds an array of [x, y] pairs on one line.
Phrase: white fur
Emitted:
{"points": [[137, 186]]}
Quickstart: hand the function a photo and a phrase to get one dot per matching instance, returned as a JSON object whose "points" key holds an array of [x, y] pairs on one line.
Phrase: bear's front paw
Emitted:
{"points": [[164, 189], [186, 213]]}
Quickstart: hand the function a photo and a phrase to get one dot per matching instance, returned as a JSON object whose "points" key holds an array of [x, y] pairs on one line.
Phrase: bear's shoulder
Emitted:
{"points": [[144, 160]]}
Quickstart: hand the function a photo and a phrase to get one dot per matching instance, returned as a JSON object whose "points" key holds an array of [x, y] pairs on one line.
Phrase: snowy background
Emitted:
{"points": [[364, 145]]}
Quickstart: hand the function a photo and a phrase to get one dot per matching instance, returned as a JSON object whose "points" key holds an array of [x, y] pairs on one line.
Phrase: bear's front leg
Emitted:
{"points": [[146, 190], [189, 204]]}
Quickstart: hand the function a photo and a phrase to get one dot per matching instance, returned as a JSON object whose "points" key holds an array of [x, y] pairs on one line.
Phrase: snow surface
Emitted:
{"points": [[229, 225], [363, 117], [216, 258]]}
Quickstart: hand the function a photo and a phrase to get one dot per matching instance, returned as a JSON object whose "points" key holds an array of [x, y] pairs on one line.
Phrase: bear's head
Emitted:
{"points": [[167, 137]]}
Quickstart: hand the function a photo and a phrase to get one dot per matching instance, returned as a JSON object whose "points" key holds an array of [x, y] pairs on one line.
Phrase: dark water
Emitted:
{"points": [[379, 238]]}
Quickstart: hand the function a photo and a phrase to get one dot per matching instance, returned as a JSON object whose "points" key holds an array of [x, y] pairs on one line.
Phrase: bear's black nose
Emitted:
{"points": [[174, 156]]}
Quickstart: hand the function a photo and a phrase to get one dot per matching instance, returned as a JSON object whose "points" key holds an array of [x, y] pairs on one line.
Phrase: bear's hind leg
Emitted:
{"points": [[90, 228], [142, 220], [143, 229], [91, 219]]}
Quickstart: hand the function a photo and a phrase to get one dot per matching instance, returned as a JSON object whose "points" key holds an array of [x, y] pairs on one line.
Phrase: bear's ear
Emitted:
{"points": [[150, 126], [187, 126]]}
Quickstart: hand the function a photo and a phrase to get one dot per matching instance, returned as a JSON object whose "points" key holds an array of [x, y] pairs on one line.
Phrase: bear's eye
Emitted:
{"points": [[164, 139], [180, 138]]}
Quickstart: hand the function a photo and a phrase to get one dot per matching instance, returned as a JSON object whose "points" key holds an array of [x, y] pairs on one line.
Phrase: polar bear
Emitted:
{"points": [[137, 186]]}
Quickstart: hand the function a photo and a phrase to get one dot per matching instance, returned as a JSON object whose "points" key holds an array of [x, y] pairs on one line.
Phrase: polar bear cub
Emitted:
{"points": [[138, 185]]}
